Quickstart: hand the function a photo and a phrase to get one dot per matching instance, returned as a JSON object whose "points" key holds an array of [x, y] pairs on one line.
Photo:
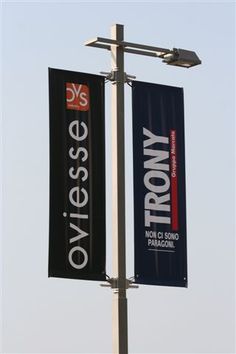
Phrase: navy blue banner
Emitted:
{"points": [[77, 176], [159, 185]]}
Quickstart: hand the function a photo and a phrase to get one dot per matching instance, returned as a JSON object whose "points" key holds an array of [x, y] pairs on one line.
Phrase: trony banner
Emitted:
{"points": [[159, 185], [77, 176]]}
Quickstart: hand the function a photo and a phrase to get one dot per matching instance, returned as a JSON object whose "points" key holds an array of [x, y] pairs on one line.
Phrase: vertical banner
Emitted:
{"points": [[77, 176], [159, 185]]}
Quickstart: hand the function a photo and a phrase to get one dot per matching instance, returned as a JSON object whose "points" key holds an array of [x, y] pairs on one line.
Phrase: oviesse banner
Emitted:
{"points": [[159, 185], [77, 176]]}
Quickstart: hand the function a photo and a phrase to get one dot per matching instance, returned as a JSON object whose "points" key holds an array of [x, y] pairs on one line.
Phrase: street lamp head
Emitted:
{"points": [[181, 57]]}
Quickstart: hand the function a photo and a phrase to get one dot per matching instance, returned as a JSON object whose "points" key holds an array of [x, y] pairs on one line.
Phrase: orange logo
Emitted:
{"points": [[77, 97]]}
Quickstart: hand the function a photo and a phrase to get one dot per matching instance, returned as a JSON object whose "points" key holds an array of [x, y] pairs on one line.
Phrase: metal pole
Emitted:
{"points": [[119, 303]]}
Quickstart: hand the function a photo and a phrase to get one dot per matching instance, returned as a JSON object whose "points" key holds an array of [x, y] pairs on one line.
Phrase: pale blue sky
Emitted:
{"points": [[42, 315]]}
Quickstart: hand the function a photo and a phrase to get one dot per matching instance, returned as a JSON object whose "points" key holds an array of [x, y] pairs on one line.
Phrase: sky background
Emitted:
{"points": [[41, 315]]}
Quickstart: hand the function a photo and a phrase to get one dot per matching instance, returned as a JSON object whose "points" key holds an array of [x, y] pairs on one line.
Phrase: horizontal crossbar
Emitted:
{"points": [[134, 48]]}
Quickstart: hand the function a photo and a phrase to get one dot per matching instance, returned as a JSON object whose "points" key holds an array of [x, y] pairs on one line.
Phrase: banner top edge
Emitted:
{"points": [[50, 70], [156, 84]]}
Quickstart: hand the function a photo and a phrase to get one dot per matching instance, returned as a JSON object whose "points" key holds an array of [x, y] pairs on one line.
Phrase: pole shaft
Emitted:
{"points": [[119, 303]]}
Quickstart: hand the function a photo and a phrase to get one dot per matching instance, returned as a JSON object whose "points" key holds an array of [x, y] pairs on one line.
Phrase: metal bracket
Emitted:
{"points": [[114, 78], [114, 283], [129, 78]]}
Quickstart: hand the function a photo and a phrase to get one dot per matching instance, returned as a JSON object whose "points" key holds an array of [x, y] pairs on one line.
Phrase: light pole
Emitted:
{"points": [[117, 46]]}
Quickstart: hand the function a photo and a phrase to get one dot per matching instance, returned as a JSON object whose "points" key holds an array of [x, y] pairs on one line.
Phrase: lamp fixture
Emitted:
{"points": [[181, 57]]}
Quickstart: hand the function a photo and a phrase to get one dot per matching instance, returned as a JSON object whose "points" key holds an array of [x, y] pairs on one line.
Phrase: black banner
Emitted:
{"points": [[159, 185], [77, 176]]}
